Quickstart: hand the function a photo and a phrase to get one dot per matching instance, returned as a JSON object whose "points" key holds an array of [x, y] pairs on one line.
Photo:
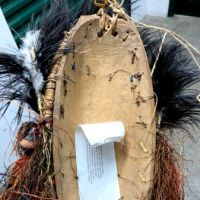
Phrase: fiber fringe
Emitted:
{"points": [[174, 79], [31, 177], [168, 180]]}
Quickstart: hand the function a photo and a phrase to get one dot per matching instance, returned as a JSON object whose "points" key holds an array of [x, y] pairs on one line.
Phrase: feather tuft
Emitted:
{"points": [[24, 74], [174, 80], [30, 44], [54, 23], [15, 85]]}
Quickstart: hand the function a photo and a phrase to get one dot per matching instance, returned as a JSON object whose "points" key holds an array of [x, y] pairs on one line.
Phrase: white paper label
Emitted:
{"points": [[96, 163]]}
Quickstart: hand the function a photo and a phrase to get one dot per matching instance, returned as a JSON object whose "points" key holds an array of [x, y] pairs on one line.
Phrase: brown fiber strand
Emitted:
{"points": [[36, 171], [167, 179]]}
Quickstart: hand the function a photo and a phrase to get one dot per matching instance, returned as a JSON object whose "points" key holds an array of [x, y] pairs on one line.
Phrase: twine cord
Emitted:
{"points": [[142, 177], [143, 147], [177, 37], [158, 55], [101, 5], [107, 3], [198, 98]]}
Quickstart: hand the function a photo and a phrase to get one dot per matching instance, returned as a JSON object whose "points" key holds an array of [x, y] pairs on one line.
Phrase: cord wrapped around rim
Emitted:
{"points": [[49, 96], [117, 12]]}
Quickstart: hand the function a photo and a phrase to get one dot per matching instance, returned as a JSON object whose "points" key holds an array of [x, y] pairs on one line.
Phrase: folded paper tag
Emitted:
{"points": [[95, 158]]}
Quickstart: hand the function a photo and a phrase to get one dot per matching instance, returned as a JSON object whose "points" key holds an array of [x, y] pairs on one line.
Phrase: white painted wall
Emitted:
{"points": [[138, 9], [157, 7], [149, 7], [7, 42]]}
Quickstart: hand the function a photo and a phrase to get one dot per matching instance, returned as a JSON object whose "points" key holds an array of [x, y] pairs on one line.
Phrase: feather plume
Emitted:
{"points": [[54, 23], [15, 85], [23, 75], [30, 44], [174, 80]]}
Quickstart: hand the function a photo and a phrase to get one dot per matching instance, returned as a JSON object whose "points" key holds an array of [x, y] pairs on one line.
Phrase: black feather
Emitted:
{"points": [[53, 25], [173, 77], [15, 85], [15, 78], [174, 80]]}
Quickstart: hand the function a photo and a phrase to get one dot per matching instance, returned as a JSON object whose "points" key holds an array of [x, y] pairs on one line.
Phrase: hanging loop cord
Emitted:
{"points": [[101, 4], [110, 23], [106, 3]]}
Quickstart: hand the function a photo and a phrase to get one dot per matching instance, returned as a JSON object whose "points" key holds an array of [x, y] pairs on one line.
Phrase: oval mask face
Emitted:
{"points": [[105, 79]]}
